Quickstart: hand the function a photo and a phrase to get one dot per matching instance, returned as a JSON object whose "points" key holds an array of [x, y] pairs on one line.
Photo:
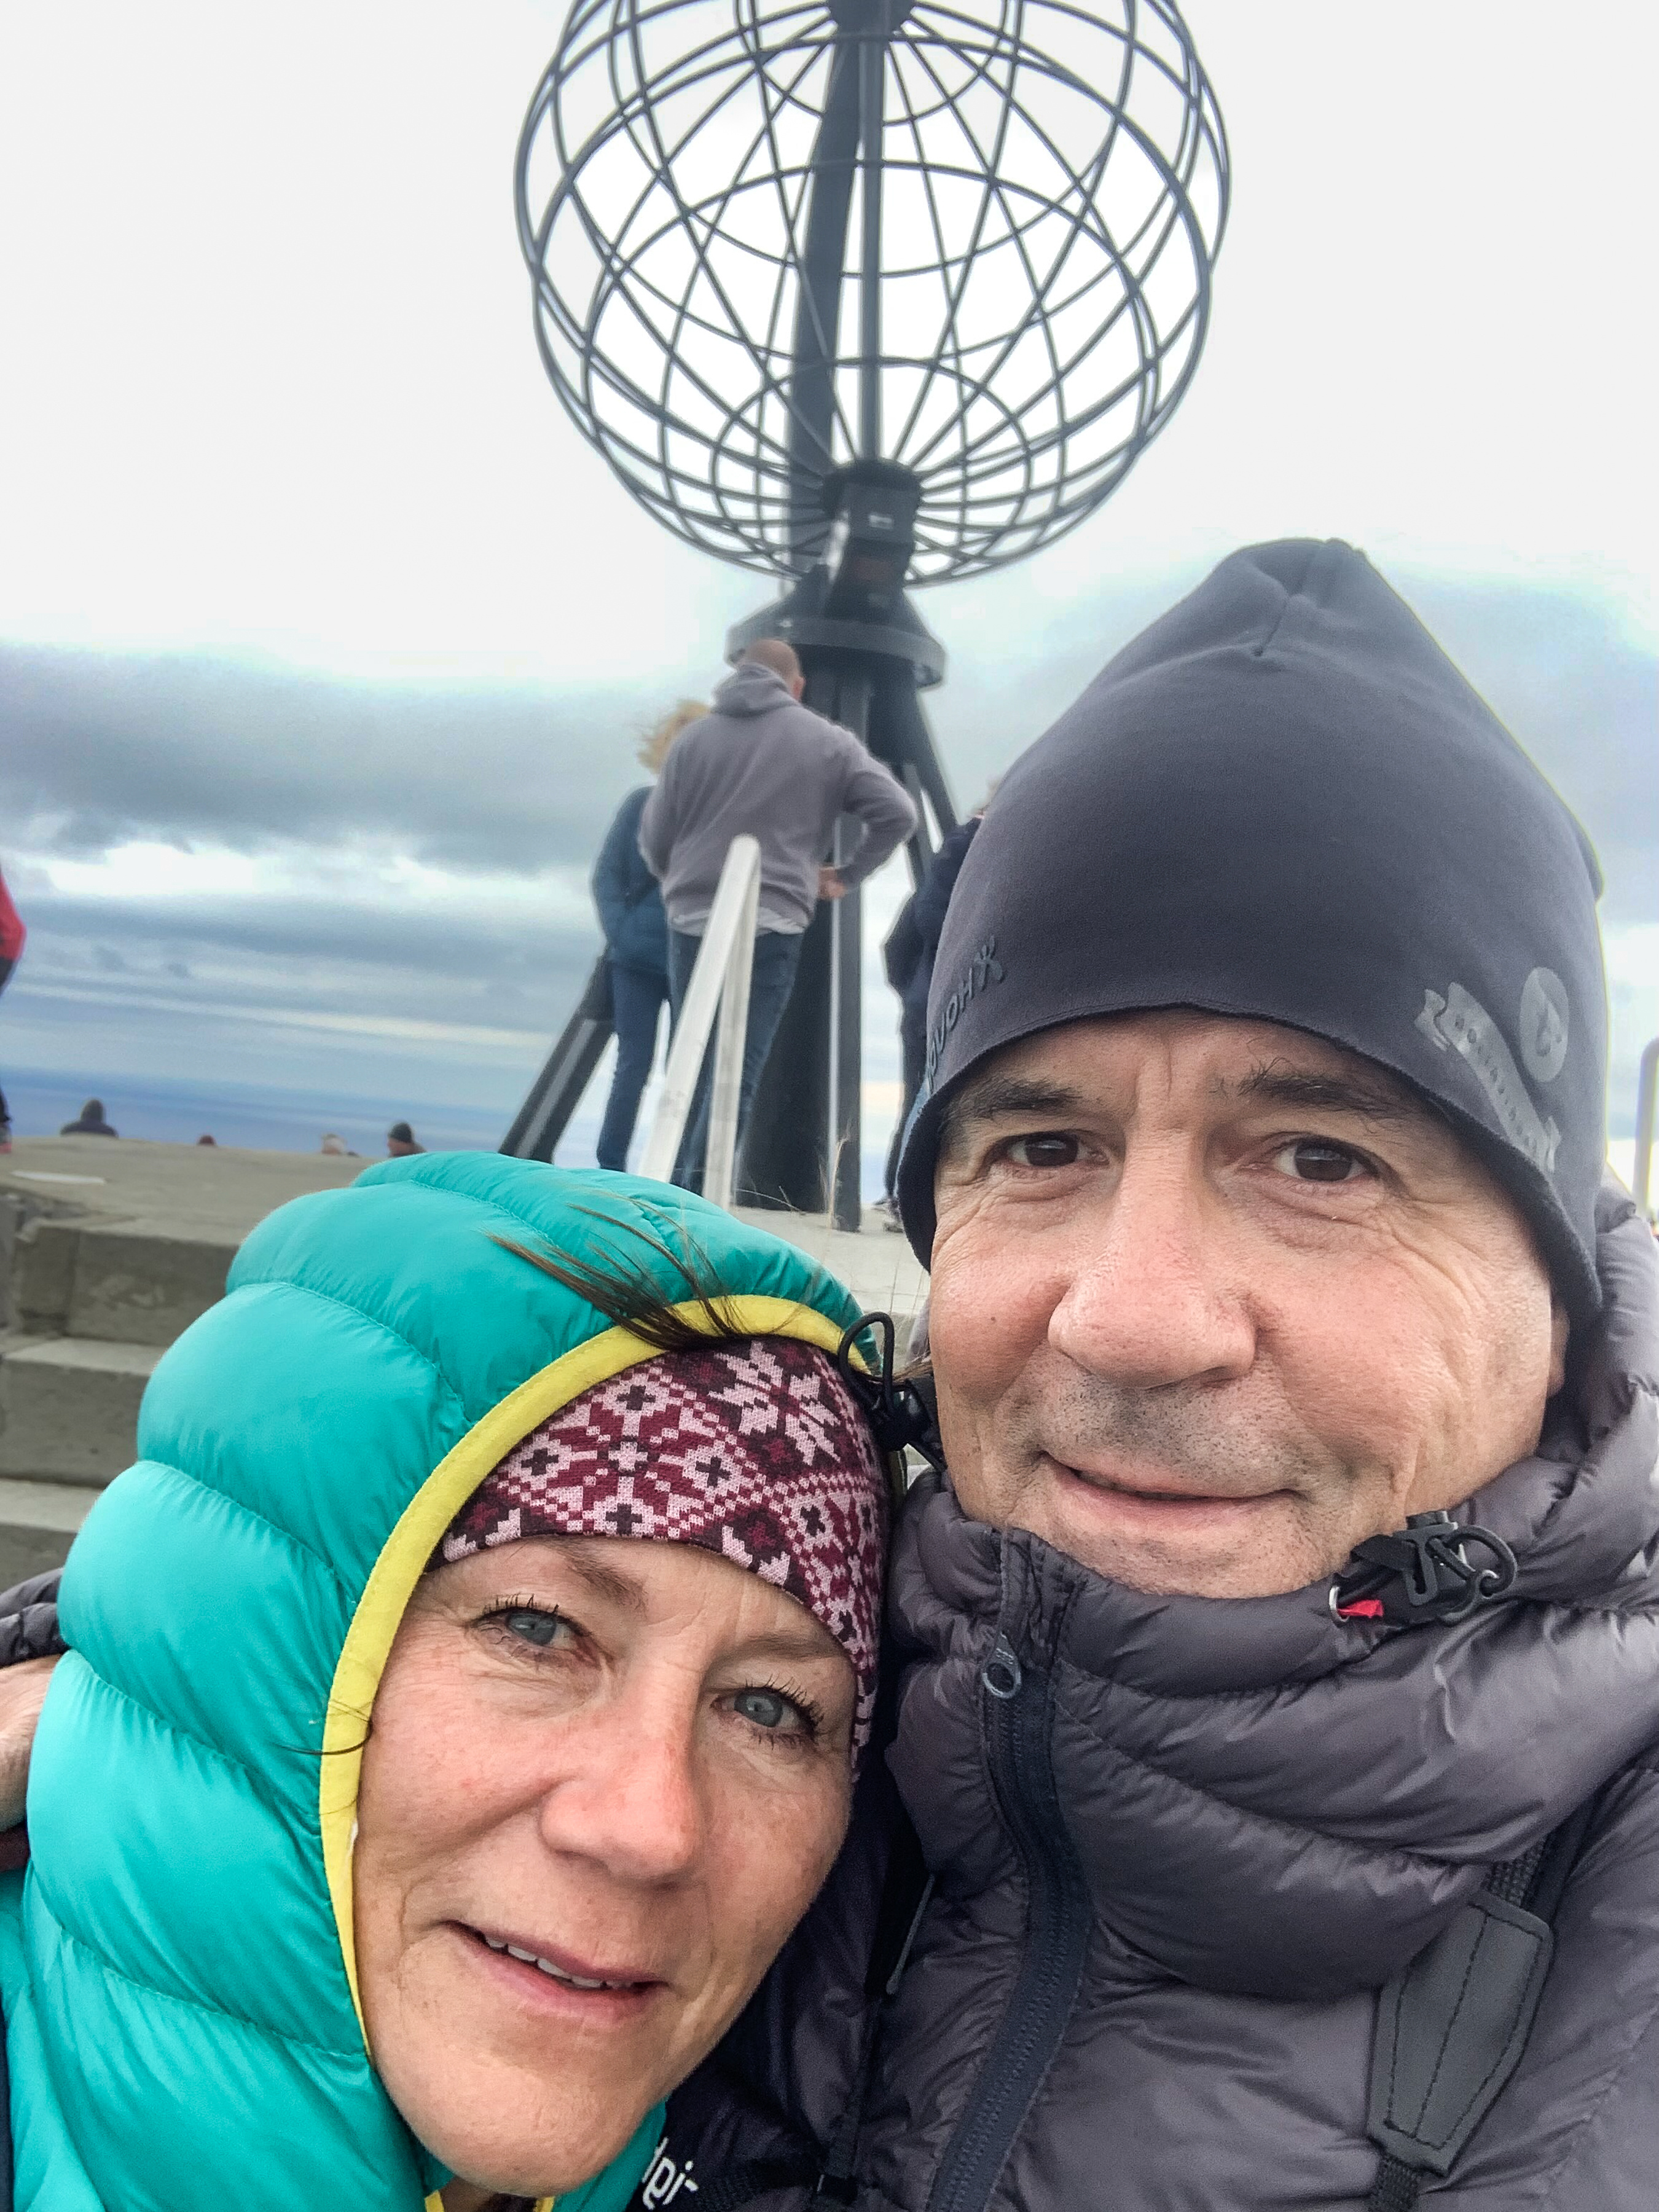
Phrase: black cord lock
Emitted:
{"points": [[897, 1413], [1425, 1572]]}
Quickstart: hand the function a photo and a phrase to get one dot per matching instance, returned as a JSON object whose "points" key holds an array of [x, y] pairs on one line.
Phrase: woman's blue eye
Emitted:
{"points": [[535, 1627], [767, 1709]]}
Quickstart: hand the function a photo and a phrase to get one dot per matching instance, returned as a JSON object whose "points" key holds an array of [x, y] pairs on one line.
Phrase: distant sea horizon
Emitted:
{"points": [[178, 1109], [175, 1109]]}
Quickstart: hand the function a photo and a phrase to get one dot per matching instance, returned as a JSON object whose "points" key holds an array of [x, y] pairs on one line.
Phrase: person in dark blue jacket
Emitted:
{"points": [[630, 910]]}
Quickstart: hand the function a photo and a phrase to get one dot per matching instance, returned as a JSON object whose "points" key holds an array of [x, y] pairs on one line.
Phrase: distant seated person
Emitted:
{"points": [[206, 1139], [91, 1122], [336, 1146], [400, 1143]]}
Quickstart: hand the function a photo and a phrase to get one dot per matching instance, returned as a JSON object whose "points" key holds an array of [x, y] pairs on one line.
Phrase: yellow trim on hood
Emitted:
{"points": [[409, 1547], [435, 2202]]}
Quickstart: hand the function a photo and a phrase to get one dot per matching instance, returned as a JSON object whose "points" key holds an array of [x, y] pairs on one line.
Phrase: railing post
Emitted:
{"points": [[1647, 1085], [728, 941], [721, 1158]]}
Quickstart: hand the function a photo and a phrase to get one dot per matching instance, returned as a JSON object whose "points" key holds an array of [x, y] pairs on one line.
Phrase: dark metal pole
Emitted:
{"points": [[817, 305], [872, 69], [568, 1069], [845, 1089]]}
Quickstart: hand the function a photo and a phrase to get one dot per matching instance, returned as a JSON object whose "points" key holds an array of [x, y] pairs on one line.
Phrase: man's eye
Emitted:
{"points": [[532, 1626], [1044, 1150], [769, 1709], [1311, 1160]]}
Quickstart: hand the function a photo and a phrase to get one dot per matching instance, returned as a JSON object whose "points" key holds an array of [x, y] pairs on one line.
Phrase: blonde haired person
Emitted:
{"points": [[636, 928]]}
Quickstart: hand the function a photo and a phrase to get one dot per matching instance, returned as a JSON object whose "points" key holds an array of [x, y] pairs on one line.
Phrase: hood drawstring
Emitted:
{"points": [[1422, 1573], [899, 1416]]}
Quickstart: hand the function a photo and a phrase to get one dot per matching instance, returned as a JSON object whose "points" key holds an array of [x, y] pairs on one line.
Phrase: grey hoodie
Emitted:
{"points": [[763, 765], [1174, 1869]]}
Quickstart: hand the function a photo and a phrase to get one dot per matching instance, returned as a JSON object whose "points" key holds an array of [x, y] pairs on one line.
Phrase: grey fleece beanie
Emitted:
{"points": [[1283, 802]]}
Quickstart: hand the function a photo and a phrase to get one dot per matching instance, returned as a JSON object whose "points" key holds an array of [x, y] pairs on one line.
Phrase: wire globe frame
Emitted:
{"points": [[1012, 313]]}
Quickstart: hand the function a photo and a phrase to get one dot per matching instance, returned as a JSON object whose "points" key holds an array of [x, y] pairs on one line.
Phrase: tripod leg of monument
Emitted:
{"points": [[557, 1090], [898, 734]]}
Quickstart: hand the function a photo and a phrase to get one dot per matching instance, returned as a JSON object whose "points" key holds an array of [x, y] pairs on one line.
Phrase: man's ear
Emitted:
{"points": [[1559, 1326], [797, 686]]}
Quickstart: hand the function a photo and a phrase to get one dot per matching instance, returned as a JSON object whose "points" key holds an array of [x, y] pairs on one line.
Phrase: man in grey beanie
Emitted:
{"points": [[1276, 1670], [1270, 1810]]}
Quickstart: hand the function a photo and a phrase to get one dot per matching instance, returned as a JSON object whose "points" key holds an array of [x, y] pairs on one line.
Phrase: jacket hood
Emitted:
{"points": [[229, 1605], [1282, 801], [752, 690], [1264, 1800]]}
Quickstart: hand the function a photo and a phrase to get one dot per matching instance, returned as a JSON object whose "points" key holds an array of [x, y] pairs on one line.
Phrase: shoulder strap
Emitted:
{"points": [[1450, 2030]]}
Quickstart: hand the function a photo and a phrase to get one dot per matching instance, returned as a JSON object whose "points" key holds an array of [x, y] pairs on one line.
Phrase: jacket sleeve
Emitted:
{"points": [[903, 950], [1582, 2106], [876, 796], [29, 1620], [609, 878], [12, 932], [933, 898]]}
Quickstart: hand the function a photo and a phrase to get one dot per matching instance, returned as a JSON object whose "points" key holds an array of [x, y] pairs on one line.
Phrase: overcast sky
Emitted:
{"points": [[325, 640]]}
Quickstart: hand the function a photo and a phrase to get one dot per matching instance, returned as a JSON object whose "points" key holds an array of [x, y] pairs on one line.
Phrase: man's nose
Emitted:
{"points": [[1157, 1295], [632, 1802]]}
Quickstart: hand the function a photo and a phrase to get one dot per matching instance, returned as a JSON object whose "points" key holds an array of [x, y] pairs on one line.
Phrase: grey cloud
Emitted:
{"points": [[1578, 691], [297, 930], [101, 749]]}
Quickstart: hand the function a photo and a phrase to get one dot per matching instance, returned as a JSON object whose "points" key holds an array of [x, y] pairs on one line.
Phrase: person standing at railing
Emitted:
{"points": [[631, 911], [762, 765]]}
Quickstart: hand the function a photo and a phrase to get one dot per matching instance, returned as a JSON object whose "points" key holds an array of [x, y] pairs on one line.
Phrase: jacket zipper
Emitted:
{"points": [[1020, 1716]]}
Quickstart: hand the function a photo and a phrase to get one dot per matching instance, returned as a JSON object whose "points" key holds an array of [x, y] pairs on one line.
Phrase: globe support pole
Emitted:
{"points": [[1021, 211]]}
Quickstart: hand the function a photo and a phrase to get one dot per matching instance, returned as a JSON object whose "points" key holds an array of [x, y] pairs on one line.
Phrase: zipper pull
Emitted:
{"points": [[1001, 1675]]}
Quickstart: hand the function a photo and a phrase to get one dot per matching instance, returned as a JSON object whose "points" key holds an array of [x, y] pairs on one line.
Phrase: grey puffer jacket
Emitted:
{"points": [[1174, 1869]]}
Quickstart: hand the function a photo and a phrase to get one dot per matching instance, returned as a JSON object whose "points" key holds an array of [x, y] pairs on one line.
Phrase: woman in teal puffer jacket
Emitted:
{"points": [[441, 1826]]}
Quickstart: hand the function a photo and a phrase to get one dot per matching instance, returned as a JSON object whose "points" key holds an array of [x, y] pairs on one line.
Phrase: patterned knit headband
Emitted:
{"points": [[755, 1450]]}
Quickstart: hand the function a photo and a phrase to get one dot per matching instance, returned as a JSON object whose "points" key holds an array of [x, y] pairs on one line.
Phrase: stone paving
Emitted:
{"points": [[109, 1248]]}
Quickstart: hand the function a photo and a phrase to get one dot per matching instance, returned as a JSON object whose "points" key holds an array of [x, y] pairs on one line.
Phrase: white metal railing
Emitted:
{"points": [[719, 981], [1647, 1083]]}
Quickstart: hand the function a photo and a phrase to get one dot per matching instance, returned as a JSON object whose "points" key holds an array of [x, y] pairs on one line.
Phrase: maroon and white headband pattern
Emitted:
{"points": [[757, 1450]]}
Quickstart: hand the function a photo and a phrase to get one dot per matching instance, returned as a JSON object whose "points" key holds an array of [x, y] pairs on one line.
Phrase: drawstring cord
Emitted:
{"points": [[896, 1411], [1423, 1572]]}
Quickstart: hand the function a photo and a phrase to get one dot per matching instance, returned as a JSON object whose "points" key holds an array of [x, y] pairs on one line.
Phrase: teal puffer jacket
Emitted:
{"points": [[177, 1963]]}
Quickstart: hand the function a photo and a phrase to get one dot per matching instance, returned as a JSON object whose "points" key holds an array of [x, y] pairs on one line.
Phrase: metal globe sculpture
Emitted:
{"points": [[971, 238], [862, 292]]}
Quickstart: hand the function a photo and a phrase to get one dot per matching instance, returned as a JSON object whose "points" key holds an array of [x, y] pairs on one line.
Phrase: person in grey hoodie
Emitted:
{"points": [[762, 765], [1270, 1810]]}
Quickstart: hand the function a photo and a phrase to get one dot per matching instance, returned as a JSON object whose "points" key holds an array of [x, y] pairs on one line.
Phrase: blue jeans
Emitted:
{"points": [[637, 997], [777, 955]]}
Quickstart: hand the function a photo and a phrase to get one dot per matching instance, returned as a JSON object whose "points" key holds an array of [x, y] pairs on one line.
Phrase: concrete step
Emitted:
{"points": [[126, 1284], [36, 1522], [68, 1406]]}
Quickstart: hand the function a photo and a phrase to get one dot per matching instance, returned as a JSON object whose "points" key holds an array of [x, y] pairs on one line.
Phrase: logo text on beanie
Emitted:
{"points": [[1543, 1025], [1463, 1024], [983, 969]]}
